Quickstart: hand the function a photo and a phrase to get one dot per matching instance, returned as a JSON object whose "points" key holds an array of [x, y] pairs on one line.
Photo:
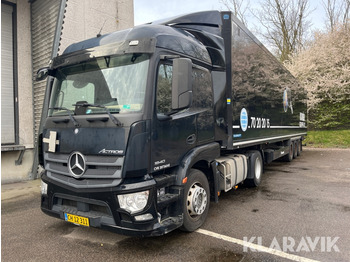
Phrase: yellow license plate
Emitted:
{"points": [[84, 221]]}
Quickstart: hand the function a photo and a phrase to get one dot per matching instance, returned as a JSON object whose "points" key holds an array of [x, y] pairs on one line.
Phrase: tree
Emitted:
{"points": [[337, 12], [285, 25], [324, 69], [239, 8]]}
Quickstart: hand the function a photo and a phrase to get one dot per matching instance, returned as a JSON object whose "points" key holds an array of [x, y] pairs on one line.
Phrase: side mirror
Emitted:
{"points": [[182, 84], [42, 74]]}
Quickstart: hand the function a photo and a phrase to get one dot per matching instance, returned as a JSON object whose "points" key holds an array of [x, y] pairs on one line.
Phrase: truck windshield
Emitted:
{"points": [[117, 83]]}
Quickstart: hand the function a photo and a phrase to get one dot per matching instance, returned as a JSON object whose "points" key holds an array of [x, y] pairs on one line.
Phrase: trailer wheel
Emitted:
{"points": [[299, 147], [196, 201], [295, 149], [255, 169], [289, 156]]}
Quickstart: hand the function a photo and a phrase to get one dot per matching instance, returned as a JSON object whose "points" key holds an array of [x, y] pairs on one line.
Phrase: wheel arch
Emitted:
{"points": [[198, 158]]}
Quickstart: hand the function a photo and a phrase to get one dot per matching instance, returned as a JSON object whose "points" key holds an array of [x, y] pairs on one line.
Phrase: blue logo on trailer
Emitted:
{"points": [[226, 17], [244, 119]]}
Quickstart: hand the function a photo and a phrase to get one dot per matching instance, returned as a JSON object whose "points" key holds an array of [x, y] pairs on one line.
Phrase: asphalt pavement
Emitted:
{"points": [[301, 210]]}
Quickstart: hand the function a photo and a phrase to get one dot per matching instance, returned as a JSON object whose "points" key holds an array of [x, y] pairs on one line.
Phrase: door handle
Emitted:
{"points": [[191, 139]]}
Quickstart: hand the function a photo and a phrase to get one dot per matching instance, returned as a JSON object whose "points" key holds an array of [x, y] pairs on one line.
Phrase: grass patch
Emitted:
{"points": [[328, 139]]}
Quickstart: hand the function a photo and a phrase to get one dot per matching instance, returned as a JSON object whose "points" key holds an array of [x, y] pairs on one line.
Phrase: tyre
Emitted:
{"points": [[289, 156], [255, 169], [299, 147], [295, 149], [196, 201]]}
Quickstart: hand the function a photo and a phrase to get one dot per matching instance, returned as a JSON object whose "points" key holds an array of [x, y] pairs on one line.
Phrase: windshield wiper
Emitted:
{"points": [[112, 117], [70, 113]]}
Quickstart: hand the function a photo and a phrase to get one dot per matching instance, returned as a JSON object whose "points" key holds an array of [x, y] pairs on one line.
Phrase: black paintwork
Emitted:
{"points": [[158, 150]]}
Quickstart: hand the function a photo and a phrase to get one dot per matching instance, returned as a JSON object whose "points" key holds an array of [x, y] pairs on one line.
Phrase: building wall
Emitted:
{"points": [[84, 19], [9, 171], [25, 80]]}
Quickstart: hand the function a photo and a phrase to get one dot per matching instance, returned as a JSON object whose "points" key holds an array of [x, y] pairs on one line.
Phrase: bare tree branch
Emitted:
{"points": [[285, 24], [337, 12], [239, 8]]}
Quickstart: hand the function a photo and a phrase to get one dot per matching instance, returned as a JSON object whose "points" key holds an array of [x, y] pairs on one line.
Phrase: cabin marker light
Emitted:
{"points": [[134, 43]]}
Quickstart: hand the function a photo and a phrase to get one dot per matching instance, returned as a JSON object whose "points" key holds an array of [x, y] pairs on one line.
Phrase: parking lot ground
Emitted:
{"points": [[301, 209]]}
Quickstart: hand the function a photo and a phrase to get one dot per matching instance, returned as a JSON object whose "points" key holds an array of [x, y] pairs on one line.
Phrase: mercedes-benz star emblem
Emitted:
{"points": [[76, 164]]}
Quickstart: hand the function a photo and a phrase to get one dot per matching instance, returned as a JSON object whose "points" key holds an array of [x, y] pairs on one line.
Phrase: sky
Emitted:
{"points": [[151, 10]]}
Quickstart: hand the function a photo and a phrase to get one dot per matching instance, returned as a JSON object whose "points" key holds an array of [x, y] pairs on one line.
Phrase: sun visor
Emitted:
{"points": [[146, 45]]}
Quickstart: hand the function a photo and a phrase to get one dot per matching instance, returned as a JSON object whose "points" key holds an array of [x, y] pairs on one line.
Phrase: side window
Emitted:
{"points": [[165, 76], [201, 88]]}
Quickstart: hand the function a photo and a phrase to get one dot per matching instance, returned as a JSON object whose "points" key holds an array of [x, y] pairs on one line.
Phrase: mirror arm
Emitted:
{"points": [[43, 73]]}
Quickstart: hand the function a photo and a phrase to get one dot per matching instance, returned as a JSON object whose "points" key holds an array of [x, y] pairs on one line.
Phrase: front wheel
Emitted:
{"points": [[196, 201]]}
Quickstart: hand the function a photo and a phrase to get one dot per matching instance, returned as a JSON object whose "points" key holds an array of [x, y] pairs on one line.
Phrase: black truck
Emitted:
{"points": [[146, 126]]}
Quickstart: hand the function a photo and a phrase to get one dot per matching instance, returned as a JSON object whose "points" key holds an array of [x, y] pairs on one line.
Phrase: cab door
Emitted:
{"points": [[173, 133]]}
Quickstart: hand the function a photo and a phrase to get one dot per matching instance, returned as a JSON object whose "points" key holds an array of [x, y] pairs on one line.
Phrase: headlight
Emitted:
{"points": [[134, 202], [43, 188]]}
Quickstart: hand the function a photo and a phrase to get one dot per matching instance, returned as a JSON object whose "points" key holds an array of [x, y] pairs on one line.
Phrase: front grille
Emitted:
{"points": [[101, 171], [100, 209]]}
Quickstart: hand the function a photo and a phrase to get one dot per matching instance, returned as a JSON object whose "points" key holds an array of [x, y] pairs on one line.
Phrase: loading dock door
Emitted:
{"points": [[7, 76]]}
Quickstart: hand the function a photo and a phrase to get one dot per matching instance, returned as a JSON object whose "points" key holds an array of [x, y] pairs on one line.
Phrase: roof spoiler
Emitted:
{"points": [[208, 19]]}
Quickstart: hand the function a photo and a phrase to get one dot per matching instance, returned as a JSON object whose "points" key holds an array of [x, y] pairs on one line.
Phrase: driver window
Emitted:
{"points": [[164, 83]]}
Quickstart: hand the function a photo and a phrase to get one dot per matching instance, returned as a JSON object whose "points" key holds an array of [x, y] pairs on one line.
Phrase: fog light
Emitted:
{"points": [[144, 217], [43, 188], [134, 202]]}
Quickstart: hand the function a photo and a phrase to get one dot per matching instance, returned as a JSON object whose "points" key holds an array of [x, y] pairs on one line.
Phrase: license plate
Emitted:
{"points": [[84, 221]]}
